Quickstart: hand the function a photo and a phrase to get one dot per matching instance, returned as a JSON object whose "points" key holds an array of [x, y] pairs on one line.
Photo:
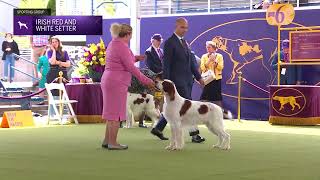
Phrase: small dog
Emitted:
{"points": [[181, 112], [137, 104], [22, 25]]}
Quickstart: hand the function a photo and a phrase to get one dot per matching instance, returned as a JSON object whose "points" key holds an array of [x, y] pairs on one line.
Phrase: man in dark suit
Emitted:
{"points": [[154, 54], [179, 66]]}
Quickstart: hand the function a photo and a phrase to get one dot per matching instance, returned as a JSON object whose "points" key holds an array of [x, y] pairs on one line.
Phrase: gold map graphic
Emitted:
{"points": [[244, 52]]}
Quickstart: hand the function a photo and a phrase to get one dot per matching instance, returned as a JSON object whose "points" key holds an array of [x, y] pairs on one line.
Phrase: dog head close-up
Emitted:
{"points": [[169, 89], [158, 81], [275, 98]]}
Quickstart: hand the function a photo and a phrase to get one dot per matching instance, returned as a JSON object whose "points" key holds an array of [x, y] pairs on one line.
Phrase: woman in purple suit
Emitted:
{"points": [[115, 82]]}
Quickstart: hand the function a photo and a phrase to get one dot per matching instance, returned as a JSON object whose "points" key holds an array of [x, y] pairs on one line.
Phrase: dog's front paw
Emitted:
{"points": [[127, 126], [216, 146], [178, 148], [226, 147], [170, 147]]}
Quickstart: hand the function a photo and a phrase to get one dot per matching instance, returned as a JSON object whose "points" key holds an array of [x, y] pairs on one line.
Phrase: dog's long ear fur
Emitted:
{"points": [[168, 87], [159, 76]]}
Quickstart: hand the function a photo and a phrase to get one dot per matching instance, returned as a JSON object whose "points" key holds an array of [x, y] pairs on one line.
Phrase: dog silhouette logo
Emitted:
{"points": [[22, 25], [283, 100], [288, 101]]}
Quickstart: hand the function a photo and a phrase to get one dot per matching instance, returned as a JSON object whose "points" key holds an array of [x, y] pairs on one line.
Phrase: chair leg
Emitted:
{"points": [[73, 114], [57, 114], [49, 108]]}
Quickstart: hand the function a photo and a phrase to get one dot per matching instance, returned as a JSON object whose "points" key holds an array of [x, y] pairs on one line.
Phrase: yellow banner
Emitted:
{"points": [[14, 119], [280, 14]]}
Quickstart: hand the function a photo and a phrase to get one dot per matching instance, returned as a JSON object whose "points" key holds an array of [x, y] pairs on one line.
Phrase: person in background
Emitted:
{"points": [[154, 60], [154, 54], [289, 74], [212, 61], [58, 59], [38, 44], [43, 69], [115, 81], [179, 66], [9, 47]]}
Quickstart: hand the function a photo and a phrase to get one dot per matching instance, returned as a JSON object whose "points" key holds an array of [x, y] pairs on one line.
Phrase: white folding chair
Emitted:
{"points": [[61, 102]]}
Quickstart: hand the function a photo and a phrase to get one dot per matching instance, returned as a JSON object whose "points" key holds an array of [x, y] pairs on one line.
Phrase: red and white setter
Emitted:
{"points": [[181, 112], [139, 104]]}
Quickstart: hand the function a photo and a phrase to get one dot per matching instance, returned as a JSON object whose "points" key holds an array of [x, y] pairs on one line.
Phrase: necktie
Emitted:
{"points": [[184, 45], [160, 54]]}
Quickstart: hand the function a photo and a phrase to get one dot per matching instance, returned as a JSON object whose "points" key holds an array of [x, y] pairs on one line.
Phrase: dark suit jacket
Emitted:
{"points": [[179, 66], [153, 61]]}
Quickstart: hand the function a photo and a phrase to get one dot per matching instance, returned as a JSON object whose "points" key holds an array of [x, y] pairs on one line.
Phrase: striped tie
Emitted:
{"points": [[160, 54]]}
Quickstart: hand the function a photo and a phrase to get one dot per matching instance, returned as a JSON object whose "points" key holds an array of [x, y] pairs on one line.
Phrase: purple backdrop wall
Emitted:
{"points": [[105, 30], [249, 44]]}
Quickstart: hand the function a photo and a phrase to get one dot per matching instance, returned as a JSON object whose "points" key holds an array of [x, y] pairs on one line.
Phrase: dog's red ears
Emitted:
{"points": [[159, 76], [168, 87]]}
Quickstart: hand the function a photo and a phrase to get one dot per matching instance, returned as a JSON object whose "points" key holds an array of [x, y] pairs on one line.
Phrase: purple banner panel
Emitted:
{"points": [[57, 25], [305, 46], [106, 36], [295, 101]]}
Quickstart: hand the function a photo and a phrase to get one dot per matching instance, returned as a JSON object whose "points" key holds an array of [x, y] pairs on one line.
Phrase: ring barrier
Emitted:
{"points": [[255, 86], [27, 96], [239, 93]]}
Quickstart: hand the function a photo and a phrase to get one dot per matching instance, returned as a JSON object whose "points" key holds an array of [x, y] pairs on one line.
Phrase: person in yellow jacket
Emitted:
{"points": [[212, 61]]}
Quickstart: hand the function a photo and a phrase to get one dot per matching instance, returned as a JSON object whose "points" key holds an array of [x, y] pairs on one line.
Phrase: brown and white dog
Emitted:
{"points": [[181, 112], [137, 104]]}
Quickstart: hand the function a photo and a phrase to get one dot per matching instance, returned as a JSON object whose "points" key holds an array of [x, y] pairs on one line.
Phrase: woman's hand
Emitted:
{"points": [[213, 57], [52, 48], [201, 82], [53, 62], [140, 57], [151, 85], [8, 49]]}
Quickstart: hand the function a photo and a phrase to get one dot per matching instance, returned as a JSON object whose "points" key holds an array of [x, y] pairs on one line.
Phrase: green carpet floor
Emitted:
{"points": [[74, 152]]}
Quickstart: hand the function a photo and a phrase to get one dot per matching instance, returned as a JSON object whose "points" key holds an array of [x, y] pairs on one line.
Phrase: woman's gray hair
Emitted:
{"points": [[213, 44], [120, 30]]}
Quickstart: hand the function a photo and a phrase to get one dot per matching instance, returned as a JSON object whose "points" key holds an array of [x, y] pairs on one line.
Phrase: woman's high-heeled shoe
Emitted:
{"points": [[120, 147]]}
